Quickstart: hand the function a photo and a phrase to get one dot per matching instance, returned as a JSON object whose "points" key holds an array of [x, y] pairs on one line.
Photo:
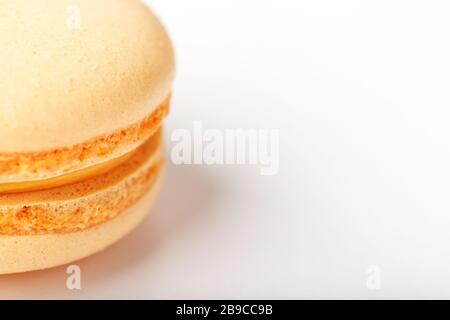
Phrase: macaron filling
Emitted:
{"points": [[70, 178]]}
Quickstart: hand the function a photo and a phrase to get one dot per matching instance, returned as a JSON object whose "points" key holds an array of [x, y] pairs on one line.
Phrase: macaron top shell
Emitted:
{"points": [[73, 70]]}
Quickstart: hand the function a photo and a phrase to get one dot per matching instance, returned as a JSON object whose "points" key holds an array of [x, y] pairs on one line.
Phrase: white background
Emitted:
{"points": [[360, 93]]}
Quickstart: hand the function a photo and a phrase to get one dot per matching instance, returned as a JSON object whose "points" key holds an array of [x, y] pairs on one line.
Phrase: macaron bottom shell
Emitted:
{"points": [[25, 253]]}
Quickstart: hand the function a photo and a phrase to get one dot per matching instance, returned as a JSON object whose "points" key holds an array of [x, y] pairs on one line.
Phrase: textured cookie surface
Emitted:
{"points": [[72, 70], [20, 167]]}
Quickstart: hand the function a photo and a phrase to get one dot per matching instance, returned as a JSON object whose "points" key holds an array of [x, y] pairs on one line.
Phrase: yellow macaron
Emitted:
{"points": [[84, 88]]}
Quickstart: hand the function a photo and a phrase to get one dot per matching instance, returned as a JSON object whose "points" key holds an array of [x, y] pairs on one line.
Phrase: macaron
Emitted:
{"points": [[84, 89]]}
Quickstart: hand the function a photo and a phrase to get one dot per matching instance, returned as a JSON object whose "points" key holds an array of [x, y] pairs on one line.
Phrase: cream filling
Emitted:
{"points": [[66, 179]]}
